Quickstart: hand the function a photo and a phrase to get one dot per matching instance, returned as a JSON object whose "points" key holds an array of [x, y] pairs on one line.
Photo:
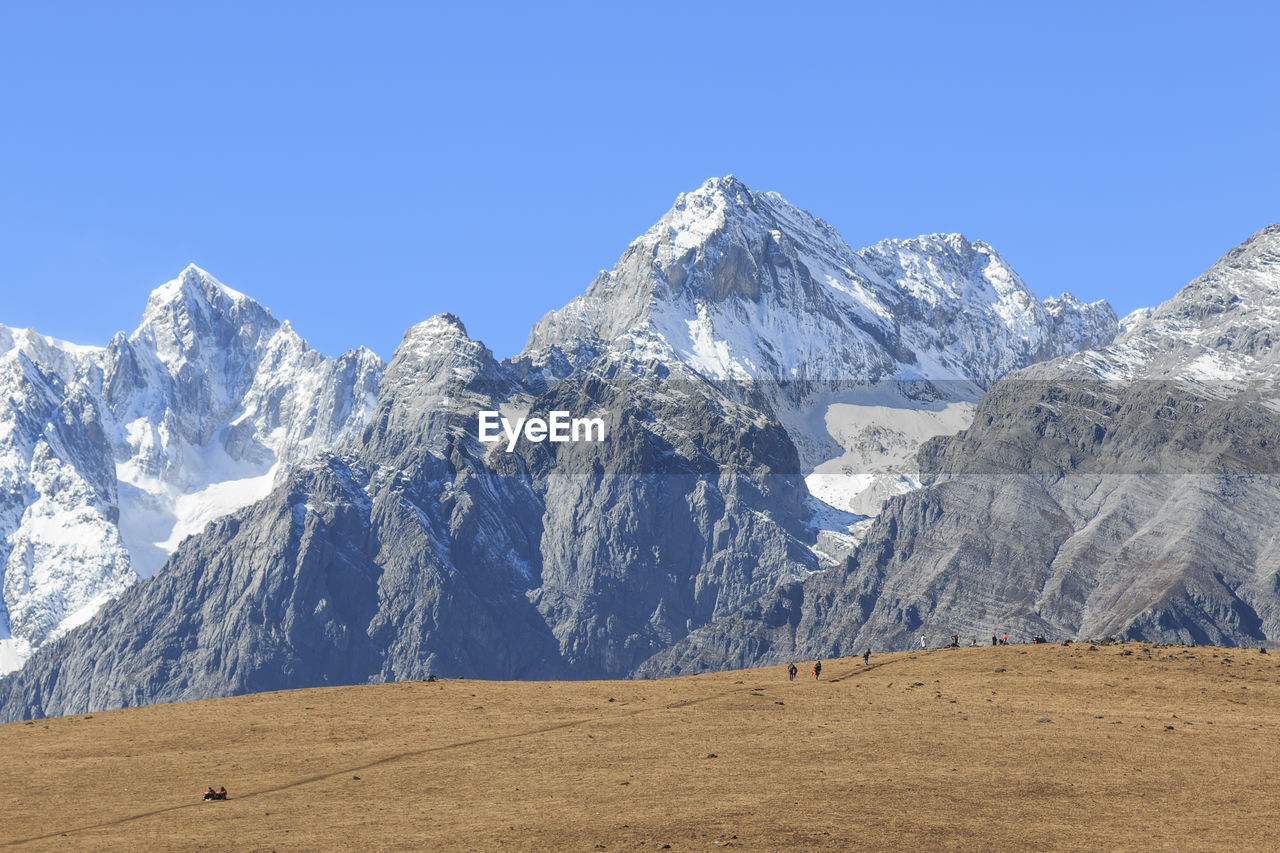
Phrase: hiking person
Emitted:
{"points": [[817, 669], [791, 672], [866, 656], [995, 641], [922, 641], [1004, 638]]}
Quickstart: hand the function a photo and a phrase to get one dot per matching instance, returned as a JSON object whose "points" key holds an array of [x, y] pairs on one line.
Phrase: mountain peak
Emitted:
{"points": [[444, 325], [1243, 281], [1261, 249], [724, 186], [196, 292], [437, 341], [195, 316]]}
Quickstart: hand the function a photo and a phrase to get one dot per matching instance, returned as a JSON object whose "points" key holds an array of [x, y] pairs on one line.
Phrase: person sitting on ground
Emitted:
{"points": [[208, 793], [221, 795]]}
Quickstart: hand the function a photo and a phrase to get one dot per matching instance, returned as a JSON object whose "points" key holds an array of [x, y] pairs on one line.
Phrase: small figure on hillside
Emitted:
{"points": [[866, 656], [955, 641], [1004, 638], [995, 641], [221, 795], [922, 641], [817, 669], [791, 672], [208, 793]]}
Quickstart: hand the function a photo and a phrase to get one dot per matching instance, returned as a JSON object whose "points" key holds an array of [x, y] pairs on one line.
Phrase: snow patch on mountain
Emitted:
{"points": [[879, 441]]}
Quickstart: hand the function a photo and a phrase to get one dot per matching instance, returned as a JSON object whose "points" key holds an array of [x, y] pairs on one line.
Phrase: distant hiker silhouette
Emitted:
{"points": [[995, 641], [922, 641], [791, 672], [817, 669], [866, 656]]}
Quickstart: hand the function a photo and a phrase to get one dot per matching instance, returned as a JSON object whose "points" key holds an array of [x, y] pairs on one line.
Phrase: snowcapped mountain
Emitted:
{"points": [[736, 349], [110, 456], [1127, 491], [744, 285], [862, 354]]}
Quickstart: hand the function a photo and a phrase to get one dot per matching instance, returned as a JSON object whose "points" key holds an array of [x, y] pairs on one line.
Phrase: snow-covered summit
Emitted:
{"points": [[187, 316]]}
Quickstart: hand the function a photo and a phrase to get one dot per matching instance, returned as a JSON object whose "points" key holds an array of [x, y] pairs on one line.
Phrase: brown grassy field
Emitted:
{"points": [[1013, 748]]}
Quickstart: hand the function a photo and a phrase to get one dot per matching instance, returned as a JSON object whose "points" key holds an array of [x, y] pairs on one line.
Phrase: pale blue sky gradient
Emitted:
{"points": [[357, 170]]}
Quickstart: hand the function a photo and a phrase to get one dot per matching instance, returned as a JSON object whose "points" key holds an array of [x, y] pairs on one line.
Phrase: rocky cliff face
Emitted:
{"points": [[1124, 492]]}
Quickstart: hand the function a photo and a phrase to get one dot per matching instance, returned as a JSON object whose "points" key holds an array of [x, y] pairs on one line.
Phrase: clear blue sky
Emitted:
{"points": [[360, 168]]}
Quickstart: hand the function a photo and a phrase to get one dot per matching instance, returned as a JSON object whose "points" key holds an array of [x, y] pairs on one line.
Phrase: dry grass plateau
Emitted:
{"points": [[1045, 747]]}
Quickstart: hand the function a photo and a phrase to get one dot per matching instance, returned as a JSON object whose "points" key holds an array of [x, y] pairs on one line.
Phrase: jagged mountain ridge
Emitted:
{"points": [[745, 285], [112, 455], [1218, 330], [696, 505], [1127, 491]]}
